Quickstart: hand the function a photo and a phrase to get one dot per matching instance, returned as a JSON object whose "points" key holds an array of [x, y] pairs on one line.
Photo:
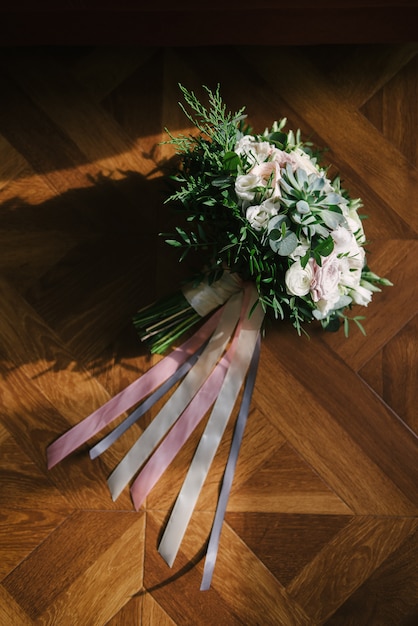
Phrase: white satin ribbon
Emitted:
{"points": [[204, 298], [209, 442], [176, 404]]}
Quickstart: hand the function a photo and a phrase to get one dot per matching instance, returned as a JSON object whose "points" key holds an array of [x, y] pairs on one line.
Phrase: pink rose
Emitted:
{"points": [[269, 173], [326, 277]]}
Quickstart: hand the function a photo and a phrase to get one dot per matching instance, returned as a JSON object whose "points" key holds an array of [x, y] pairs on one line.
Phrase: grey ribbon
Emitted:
{"points": [[105, 443], [215, 534]]}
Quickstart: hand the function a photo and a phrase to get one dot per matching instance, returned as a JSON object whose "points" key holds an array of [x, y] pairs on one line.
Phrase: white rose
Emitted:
{"points": [[356, 225], [259, 216], [350, 276], [244, 185], [343, 240], [298, 279], [361, 295], [353, 221], [255, 151], [324, 307], [300, 249], [346, 244]]}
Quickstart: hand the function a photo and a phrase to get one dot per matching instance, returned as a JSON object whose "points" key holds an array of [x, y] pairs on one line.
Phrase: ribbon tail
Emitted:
{"points": [[105, 443], [135, 392], [183, 428], [211, 438], [213, 544], [176, 404]]}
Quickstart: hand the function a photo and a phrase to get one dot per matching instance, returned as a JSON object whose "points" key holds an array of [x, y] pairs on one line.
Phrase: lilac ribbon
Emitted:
{"points": [[215, 427], [213, 544], [178, 401], [105, 443], [134, 393], [188, 421], [181, 431]]}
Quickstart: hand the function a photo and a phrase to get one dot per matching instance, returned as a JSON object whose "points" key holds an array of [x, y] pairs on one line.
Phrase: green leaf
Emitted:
{"points": [[202, 233], [278, 137], [325, 247], [333, 325], [275, 223], [222, 181], [275, 234], [304, 260], [231, 161]]}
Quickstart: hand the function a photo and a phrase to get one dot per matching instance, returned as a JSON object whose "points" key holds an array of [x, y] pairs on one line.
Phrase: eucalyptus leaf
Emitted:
{"points": [[288, 244], [343, 302], [275, 222]]}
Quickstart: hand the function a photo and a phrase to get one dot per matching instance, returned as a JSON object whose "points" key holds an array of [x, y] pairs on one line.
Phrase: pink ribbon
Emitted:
{"points": [[186, 423], [135, 392]]}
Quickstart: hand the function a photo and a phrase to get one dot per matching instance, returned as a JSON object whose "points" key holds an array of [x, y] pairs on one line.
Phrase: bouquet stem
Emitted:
{"points": [[160, 324]]}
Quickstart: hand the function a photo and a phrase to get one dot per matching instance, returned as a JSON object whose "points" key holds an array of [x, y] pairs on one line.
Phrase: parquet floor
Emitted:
{"points": [[321, 526]]}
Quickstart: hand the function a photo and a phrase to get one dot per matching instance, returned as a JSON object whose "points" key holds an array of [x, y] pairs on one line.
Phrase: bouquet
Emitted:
{"points": [[277, 238], [263, 209]]}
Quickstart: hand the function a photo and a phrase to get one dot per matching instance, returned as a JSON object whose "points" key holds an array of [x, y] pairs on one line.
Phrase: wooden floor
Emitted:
{"points": [[321, 526]]}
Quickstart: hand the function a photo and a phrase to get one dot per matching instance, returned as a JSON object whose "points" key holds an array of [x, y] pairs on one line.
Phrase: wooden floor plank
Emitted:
{"points": [[390, 310], [389, 595], [364, 71], [274, 537], [68, 555], [364, 418], [369, 542], [245, 598], [21, 530], [102, 70], [102, 589], [11, 612], [321, 524], [95, 134], [285, 483], [394, 368]]}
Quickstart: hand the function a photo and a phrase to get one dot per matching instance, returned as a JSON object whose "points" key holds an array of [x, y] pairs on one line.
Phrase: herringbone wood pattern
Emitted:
{"points": [[321, 526]]}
